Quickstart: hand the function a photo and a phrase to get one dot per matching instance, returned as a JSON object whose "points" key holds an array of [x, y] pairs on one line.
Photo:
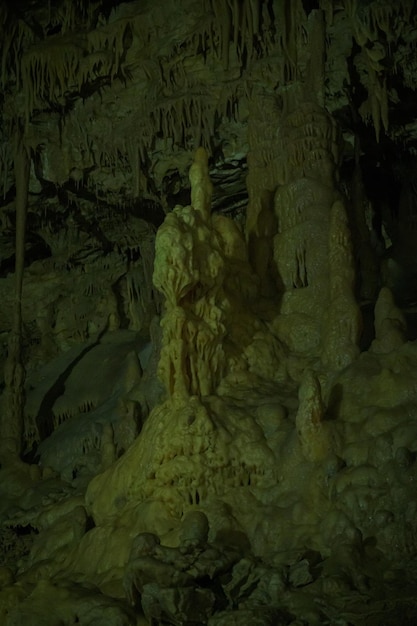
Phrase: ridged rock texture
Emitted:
{"points": [[208, 288]]}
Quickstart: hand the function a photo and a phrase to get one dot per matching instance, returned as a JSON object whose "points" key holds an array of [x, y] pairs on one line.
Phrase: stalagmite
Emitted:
{"points": [[189, 271], [310, 141], [205, 438], [11, 417], [201, 187], [390, 324], [313, 436], [342, 322]]}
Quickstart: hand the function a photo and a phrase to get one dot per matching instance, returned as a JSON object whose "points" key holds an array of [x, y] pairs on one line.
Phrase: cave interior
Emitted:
{"points": [[208, 312]]}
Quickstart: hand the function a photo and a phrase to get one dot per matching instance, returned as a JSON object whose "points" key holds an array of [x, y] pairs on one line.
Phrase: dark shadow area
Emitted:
{"points": [[44, 418], [368, 330], [335, 400]]}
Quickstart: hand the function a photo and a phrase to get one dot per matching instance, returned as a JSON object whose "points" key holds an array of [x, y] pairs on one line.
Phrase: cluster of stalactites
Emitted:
{"points": [[18, 35], [189, 118], [368, 21], [234, 33], [239, 23], [185, 121], [227, 33], [64, 63], [250, 29]]}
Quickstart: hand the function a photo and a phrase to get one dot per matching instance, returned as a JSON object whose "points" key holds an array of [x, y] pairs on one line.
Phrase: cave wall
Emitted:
{"points": [[207, 322]]}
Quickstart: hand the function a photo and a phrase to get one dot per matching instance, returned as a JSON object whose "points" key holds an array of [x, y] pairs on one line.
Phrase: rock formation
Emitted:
{"points": [[207, 322]]}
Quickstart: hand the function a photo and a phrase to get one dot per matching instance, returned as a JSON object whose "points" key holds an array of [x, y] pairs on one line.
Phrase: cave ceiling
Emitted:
{"points": [[115, 97]]}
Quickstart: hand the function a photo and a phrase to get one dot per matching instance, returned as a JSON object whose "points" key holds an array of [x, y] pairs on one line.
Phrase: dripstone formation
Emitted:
{"points": [[208, 234]]}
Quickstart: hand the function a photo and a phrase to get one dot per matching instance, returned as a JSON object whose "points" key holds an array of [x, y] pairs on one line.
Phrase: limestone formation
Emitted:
{"points": [[12, 408], [178, 584], [208, 403], [314, 437], [303, 205], [390, 324], [342, 325]]}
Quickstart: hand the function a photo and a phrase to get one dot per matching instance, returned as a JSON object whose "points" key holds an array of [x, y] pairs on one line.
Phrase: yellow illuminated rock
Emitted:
{"points": [[208, 288]]}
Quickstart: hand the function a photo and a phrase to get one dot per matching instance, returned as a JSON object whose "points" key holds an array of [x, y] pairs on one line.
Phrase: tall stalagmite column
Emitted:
{"points": [[312, 248], [11, 417]]}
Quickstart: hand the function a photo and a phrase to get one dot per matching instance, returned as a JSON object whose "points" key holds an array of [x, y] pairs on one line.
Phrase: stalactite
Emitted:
{"points": [[6, 164], [235, 9], [376, 17], [49, 69], [58, 64], [288, 23], [11, 417], [8, 40], [361, 234], [226, 20], [327, 7], [15, 35], [382, 17], [315, 68]]}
